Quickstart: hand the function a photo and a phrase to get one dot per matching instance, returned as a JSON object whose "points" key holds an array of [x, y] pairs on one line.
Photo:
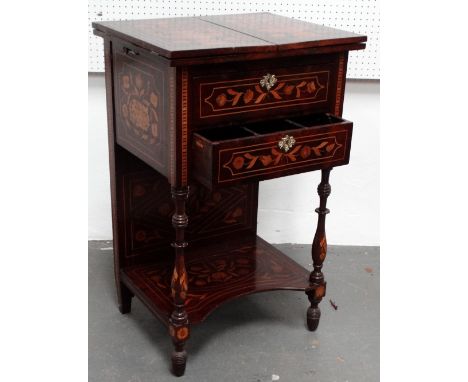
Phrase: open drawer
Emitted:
{"points": [[267, 150]]}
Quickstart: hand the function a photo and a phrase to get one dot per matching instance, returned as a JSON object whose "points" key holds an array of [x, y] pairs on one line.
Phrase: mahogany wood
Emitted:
{"points": [[196, 109], [231, 93], [217, 272], [253, 57], [252, 151], [183, 37], [316, 290], [225, 34], [178, 321], [146, 210], [285, 32], [123, 298]]}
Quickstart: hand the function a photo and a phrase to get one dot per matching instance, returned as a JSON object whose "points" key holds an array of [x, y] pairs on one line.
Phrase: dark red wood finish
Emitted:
{"points": [[251, 151], [316, 290], [146, 209], [141, 84], [208, 36], [216, 273], [284, 32], [231, 93], [184, 184]]}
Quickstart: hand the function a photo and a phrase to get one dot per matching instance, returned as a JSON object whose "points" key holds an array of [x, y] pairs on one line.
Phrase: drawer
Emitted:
{"points": [[267, 150], [259, 90]]}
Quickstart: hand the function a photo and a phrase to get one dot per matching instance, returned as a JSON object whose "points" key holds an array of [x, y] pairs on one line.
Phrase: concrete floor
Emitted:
{"points": [[257, 338]]}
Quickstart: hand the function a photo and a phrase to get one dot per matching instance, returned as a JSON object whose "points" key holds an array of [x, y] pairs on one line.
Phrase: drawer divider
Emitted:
{"points": [[250, 131]]}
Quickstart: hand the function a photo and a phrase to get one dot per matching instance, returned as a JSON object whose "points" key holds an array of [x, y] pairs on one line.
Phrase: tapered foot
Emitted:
{"points": [[313, 318], [125, 299], [179, 360], [316, 291]]}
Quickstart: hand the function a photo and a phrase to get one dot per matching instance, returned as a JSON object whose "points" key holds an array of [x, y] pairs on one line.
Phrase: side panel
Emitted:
{"points": [[142, 85]]}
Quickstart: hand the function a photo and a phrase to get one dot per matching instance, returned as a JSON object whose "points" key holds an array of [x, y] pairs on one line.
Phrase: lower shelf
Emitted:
{"points": [[216, 273]]}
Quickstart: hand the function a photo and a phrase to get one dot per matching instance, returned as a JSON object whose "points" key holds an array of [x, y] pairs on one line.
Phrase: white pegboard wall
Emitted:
{"points": [[358, 16]]}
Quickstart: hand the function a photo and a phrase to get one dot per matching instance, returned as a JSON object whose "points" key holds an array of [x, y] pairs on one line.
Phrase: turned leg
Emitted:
{"points": [[125, 298], [316, 290], [178, 322]]}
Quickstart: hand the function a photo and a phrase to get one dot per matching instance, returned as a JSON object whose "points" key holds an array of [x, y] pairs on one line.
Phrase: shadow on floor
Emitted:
{"points": [[248, 339]]}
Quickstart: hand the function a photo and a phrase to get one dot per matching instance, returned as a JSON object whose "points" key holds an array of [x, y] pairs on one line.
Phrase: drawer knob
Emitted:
{"points": [[268, 81], [286, 143]]}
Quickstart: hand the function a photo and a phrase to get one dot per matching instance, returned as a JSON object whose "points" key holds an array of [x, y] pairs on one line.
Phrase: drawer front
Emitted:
{"points": [[260, 157], [266, 160], [271, 89]]}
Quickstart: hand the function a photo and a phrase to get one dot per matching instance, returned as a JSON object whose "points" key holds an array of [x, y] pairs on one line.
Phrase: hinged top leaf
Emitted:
{"points": [[184, 37]]}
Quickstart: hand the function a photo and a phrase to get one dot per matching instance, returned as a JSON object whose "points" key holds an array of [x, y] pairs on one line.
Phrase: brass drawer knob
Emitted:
{"points": [[268, 81], [286, 143]]}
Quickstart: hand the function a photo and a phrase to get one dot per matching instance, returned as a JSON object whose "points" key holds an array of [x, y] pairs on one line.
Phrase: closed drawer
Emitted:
{"points": [[271, 149], [261, 90]]}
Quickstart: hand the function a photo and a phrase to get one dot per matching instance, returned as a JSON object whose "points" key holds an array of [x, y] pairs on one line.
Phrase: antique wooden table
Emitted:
{"points": [[200, 109]]}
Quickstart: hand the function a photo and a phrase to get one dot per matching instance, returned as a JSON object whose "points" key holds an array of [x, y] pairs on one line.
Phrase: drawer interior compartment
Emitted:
{"points": [[216, 134], [269, 127], [315, 120], [270, 149]]}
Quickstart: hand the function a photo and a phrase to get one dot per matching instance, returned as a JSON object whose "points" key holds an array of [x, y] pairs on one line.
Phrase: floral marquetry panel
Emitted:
{"points": [[268, 159], [200, 110], [219, 273], [139, 106], [211, 213], [249, 91], [140, 109], [306, 87], [258, 159], [238, 96]]}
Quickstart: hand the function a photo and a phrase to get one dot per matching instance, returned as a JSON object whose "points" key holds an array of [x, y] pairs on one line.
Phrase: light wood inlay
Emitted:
{"points": [[253, 97], [339, 86], [184, 124], [172, 126]]}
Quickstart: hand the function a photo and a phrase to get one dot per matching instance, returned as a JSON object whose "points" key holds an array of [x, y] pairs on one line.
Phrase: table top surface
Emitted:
{"points": [[225, 34]]}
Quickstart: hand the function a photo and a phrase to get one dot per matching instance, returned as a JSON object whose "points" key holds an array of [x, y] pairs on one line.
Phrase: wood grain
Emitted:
{"points": [[218, 273], [251, 154], [200, 109], [285, 32], [183, 37]]}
